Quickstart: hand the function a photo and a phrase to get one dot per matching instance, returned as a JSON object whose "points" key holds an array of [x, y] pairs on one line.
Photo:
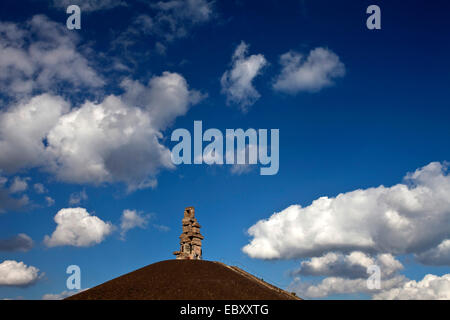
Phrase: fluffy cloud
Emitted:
{"points": [[237, 83], [24, 129], [347, 234], [76, 227], [410, 217], [20, 242], [18, 185], [89, 5], [132, 219], [107, 142], [165, 97], [116, 140], [439, 255], [346, 274], [42, 55], [339, 285], [431, 287], [311, 74], [13, 273], [353, 265]]}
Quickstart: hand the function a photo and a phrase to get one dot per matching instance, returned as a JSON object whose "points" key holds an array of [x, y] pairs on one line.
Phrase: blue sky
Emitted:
{"points": [[384, 116]]}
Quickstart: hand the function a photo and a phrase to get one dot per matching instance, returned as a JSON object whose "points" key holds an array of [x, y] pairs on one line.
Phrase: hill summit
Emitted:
{"points": [[185, 280]]}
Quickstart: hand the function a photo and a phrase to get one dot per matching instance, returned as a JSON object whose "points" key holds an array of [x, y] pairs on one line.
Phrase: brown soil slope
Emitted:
{"points": [[185, 280]]}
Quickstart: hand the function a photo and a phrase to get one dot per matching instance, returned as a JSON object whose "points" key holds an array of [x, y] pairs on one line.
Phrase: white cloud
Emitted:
{"points": [[39, 188], [13, 273], [132, 219], [107, 142], [237, 83], [20, 242], [76, 227], [439, 255], [77, 197], [353, 265], [41, 55], [116, 140], [339, 285], [311, 74], [19, 185], [165, 97], [431, 287], [410, 217], [89, 5], [24, 129], [346, 274], [60, 296]]}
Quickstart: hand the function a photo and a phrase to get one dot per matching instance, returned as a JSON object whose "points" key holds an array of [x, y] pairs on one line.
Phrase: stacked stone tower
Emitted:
{"points": [[190, 238]]}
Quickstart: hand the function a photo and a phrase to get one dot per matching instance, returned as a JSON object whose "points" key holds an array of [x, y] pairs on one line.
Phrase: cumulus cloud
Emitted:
{"points": [[312, 73], [439, 255], [346, 274], [237, 83], [19, 185], [77, 197], [24, 129], [13, 273], [165, 97], [339, 285], [116, 140], [107, 142], [353, 265], [76, 227], [346, 234], [431, 287], [409, 217], [20, 242], [42, 55], [89, 5], [131, 219]]}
